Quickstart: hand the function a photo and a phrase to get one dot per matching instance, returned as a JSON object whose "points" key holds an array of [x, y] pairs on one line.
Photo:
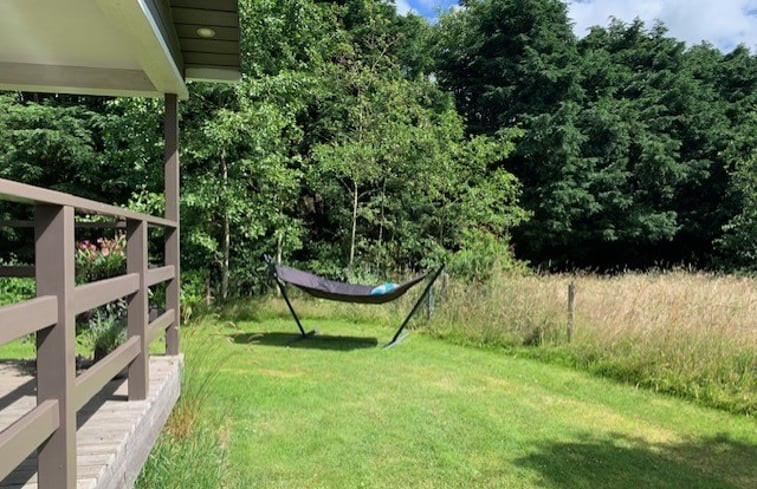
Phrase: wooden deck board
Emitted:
{"points": [[113, 434]]}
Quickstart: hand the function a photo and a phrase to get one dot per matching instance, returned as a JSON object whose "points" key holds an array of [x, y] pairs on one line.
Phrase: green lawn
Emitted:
{"points": [[337, 411]]}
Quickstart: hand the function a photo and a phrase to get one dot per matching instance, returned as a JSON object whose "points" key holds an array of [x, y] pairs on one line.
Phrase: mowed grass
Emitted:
{"points": [[337, 411]]}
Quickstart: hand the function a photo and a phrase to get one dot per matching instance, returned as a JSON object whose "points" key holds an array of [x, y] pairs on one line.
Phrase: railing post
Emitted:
{"points": [[56, 368], [137, 314], [171, 160]]}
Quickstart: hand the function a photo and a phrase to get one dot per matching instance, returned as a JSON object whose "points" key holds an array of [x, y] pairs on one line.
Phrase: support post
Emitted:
{"points": [[430, 304], [282, 290], [397, 335], [171, 160], [571, 310], [56, 369], [137, 314], [445, 282]]}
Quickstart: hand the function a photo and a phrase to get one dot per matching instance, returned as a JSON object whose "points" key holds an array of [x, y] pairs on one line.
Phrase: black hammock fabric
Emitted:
{"points": [[340, 291]]}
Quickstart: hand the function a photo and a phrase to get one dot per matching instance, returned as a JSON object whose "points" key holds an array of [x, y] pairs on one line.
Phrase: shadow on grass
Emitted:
{"points": [[622, 462], [295, 340]]}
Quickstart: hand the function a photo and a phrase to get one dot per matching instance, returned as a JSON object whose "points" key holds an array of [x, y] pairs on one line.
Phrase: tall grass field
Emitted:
{"points": [[693, 335]]}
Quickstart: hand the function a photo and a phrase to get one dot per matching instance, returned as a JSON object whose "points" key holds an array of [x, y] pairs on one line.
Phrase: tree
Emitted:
{"points": [[50, 145], [506, 60], [739, 240], [397, 176], [239, 177], [624, 131]]}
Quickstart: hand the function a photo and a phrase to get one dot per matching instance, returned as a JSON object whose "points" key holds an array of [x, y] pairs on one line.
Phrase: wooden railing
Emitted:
{"points": [[50, 428]]}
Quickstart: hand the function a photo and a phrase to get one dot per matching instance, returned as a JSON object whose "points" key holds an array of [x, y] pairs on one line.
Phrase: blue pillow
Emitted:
{"points": [[384, 288]]}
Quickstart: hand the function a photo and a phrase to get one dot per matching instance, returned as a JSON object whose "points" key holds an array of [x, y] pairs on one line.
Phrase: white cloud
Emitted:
{"points": [[403, 7], [724, 23]]}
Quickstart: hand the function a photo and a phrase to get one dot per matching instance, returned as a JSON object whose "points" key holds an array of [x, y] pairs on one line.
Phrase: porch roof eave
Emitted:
{"points": [[143, 48]]}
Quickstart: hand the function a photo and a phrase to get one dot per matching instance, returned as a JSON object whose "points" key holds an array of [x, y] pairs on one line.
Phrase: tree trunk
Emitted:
{"points": [[226, 238], [354, 223], [208, 293], [381, 220], [279, 241]]}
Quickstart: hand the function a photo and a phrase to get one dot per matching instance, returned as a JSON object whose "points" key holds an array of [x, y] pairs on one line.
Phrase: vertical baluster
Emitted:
{"points": [[172, 212], [136, 262], [56, 368]]}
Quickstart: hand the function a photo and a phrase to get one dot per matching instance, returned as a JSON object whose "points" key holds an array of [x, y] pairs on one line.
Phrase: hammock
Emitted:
{"points": [[324, 288]]}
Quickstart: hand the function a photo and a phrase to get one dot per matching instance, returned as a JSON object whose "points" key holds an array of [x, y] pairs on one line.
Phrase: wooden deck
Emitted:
{"points": [[113, 436]]}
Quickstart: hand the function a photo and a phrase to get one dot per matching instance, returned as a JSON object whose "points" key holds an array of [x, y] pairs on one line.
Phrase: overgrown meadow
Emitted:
{"points": [[693, 335], [689, 334]]}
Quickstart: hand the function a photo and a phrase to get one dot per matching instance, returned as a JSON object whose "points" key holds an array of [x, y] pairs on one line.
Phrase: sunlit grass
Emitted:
{"points": [[338, 411]]}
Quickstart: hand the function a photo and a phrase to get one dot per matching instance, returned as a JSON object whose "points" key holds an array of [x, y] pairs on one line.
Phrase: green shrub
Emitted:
{"points": [[192, 294], [13, 290], [106, 329]]}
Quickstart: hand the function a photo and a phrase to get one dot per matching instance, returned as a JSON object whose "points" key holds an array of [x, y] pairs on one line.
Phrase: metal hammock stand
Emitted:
{"points": [[324, 288]]}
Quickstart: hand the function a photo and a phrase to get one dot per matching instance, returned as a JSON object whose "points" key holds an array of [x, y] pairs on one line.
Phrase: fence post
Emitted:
{"points": [[430, 303], [56, 361], [571, 310], [137, 314]]}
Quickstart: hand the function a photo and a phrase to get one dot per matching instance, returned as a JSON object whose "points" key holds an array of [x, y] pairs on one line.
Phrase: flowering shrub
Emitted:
{"points": [[100, 259], [105, 327]]}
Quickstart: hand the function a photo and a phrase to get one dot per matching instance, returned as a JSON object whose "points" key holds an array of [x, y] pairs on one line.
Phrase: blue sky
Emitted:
{"points": [[427, 8], [724, 23]]}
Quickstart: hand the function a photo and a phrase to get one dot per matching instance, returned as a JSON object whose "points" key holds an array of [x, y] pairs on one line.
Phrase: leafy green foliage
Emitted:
{"points": [[739, 239], [14, 290], [360, 143], [625, 150], [49, 144]]}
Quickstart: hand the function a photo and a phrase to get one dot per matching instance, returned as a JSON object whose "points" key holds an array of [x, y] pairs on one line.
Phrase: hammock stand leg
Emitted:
{"points": [[272, 271], [398, 336], [303, 334]]}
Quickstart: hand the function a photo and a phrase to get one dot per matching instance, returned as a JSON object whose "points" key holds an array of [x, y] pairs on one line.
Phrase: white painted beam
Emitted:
{"points": [[207, 73], [75, 80]]}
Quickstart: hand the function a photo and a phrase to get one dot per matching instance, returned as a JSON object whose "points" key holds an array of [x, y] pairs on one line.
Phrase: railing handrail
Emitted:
{"points": [[58, 301], [21, 192], [27, 317], [26, 434], [51, 426], [28, 224]]}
